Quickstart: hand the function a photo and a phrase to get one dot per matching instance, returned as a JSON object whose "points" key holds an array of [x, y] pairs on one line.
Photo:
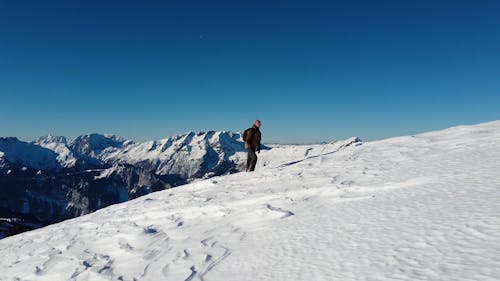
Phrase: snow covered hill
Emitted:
{"points": [[421, 207]]}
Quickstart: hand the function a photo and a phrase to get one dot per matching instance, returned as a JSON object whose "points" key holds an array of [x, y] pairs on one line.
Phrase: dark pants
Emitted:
{"points": [[251, 159]]}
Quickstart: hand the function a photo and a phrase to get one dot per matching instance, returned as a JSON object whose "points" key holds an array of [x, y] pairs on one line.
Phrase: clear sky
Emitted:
{"points": [[310, 70]]}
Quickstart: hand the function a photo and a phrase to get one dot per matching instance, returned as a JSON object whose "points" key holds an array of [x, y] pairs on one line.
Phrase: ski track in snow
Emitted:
{"points": [[422, 207]]}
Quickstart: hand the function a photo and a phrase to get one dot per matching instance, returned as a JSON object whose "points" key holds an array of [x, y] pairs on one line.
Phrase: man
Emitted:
{"points": [[252, 137]]}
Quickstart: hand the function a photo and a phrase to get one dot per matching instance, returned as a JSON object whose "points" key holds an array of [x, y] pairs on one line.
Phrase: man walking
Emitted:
{"points": [[252, 137]]}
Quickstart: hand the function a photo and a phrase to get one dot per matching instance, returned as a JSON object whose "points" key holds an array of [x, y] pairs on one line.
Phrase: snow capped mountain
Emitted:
{"points": [[421, 207], [59, 145], [92, 145], [19, 152], [191, 155], [41, 154]]}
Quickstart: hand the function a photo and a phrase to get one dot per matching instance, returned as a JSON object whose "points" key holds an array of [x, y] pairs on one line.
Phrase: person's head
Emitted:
{"points": [[257, 123]]}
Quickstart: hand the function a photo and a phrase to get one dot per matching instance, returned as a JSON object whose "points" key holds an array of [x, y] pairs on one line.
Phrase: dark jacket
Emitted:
{"points": [[252, 138]]}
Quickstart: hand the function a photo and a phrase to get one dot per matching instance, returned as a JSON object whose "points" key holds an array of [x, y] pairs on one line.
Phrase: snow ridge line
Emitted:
{"points": [[355, 141]]}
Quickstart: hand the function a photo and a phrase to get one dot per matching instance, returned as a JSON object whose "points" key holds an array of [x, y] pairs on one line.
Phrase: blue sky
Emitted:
{"points": [[310, 70]]}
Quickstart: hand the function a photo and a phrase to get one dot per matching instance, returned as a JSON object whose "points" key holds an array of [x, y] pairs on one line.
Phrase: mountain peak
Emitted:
{"points": [[93, 144], [52, 139]]}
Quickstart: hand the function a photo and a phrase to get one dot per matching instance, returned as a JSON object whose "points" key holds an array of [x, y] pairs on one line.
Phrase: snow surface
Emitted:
{"points": [[422, 207]]}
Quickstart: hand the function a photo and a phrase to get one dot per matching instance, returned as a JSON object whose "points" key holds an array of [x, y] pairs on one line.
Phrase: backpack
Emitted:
{"points": [[245, 134]]}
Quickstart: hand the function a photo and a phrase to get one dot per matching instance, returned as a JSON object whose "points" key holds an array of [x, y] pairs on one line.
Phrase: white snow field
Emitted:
{"points": [[424, 207]]}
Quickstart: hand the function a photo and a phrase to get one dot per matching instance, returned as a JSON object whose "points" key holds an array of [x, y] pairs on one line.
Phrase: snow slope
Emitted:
{"points": [[422, 207]]}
